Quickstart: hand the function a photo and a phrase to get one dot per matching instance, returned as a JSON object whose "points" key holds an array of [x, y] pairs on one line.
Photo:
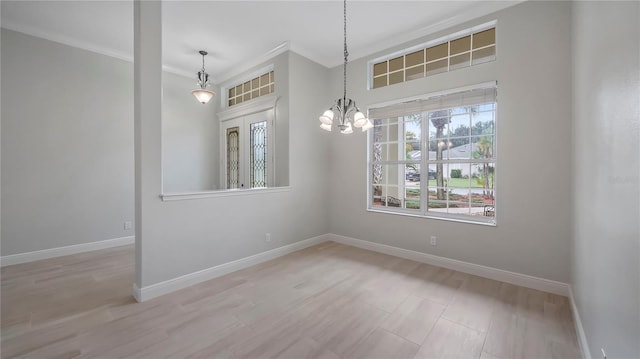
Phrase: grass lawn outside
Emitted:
{"points": [[457, 182]]}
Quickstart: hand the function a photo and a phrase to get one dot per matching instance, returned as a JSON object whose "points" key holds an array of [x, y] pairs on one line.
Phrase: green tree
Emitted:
{"points": [[484, 150]]}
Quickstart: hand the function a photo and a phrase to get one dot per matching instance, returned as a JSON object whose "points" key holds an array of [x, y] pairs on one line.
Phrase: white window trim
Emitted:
{"points": [[445, 216]]}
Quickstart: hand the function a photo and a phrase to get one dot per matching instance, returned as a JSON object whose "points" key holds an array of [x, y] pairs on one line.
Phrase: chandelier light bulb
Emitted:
{"points": [[327, 118], [348, 129], [325, 127], [359, 119]]}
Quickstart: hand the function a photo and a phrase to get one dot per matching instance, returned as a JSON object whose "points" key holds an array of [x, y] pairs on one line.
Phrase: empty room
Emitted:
{"points": [[320, 179]]}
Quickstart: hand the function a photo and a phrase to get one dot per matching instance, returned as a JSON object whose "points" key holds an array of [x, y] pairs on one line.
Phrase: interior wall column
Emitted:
{"points": [[147, 123]]}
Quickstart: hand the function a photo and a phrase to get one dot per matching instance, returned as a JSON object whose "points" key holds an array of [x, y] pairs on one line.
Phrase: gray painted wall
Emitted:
{"points": [[182, 237], [606, 181], [189, 137], [67, 144], [533, 70]]}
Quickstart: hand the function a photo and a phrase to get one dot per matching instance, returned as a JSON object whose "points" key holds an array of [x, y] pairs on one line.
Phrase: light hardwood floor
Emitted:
{"points": [[326, 301]]}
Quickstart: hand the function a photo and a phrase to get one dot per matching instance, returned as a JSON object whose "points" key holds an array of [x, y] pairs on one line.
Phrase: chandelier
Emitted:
{"points": [[202, 94], [344, 110]]}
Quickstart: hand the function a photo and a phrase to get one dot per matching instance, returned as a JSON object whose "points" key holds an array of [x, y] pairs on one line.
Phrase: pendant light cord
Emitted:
{"points": [[346, 53]]}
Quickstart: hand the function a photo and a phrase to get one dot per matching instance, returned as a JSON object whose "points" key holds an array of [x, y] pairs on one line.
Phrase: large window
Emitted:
{"points": [[435, 157]]}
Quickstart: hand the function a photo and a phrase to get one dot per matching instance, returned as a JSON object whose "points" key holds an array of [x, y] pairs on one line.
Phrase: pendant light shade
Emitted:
{"points": [[344, 110], [202, 94]]}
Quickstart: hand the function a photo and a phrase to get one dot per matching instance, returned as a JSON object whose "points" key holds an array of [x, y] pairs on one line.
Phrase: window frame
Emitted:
{"points": [[263, 105], [429, 44], [267, 70], [424, 163]]}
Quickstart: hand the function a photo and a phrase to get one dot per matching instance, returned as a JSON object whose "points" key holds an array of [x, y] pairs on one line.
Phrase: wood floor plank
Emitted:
{"points": [[327, 301], [414, 318], [451, 340]]}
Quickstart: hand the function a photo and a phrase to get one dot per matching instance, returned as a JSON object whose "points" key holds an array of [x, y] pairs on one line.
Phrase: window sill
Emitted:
{"points": [[488, 222], [181, 196]]}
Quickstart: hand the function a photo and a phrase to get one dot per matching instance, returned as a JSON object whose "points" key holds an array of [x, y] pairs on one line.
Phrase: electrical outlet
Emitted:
{"points": [[128, 225], [434, 240], [267, 237]]}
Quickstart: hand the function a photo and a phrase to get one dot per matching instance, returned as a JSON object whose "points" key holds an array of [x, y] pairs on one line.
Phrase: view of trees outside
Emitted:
{"points": [[464, 185]]}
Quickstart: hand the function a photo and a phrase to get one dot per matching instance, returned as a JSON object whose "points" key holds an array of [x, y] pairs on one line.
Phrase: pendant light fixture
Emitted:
{"points": [[202, 94], [345, 111]]}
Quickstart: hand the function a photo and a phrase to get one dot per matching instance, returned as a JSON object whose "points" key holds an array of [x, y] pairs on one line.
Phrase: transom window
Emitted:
{"points": [[445, 54], [256, 87], [435, 157]]}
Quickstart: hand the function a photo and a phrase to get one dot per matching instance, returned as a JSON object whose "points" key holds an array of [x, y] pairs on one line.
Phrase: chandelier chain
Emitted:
{"points": [[346, 53]]}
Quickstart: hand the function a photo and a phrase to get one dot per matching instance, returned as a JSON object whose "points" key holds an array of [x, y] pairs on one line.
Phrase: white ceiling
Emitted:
{"points": [[239, 34]]}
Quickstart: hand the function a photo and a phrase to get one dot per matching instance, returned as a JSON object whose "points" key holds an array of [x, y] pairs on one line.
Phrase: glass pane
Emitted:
{"points": [[389, 152], [233, 157], [437, 67], [460, 61], [414, 73], [482, 122], [484, 55], [238, 90], [232, 92], [414, 58], [459, 125], [386, 190], [459, 148], [255, 93], [396, 64], [264, 79], [412, 175], [483, 178], [461, 45], [412, 186], [264, 91], [255, 83], [232, 102], [483, 147], [239, 100], [247, 96], [246, 87], [484, 38], [438, 122], [376, 192], [396, 77], [380, 81], [271, 87], [258, 154], [438, 52], [379, 69], [271, 77], [459, 175]]}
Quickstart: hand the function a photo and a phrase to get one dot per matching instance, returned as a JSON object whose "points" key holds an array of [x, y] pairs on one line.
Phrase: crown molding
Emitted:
{"points": [[65, 40], [229, 73]]}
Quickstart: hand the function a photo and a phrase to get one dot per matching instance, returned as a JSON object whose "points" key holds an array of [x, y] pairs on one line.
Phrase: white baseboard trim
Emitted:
{"points": [[582, 338], [171, 285], [64, 251], [523, 280]]}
